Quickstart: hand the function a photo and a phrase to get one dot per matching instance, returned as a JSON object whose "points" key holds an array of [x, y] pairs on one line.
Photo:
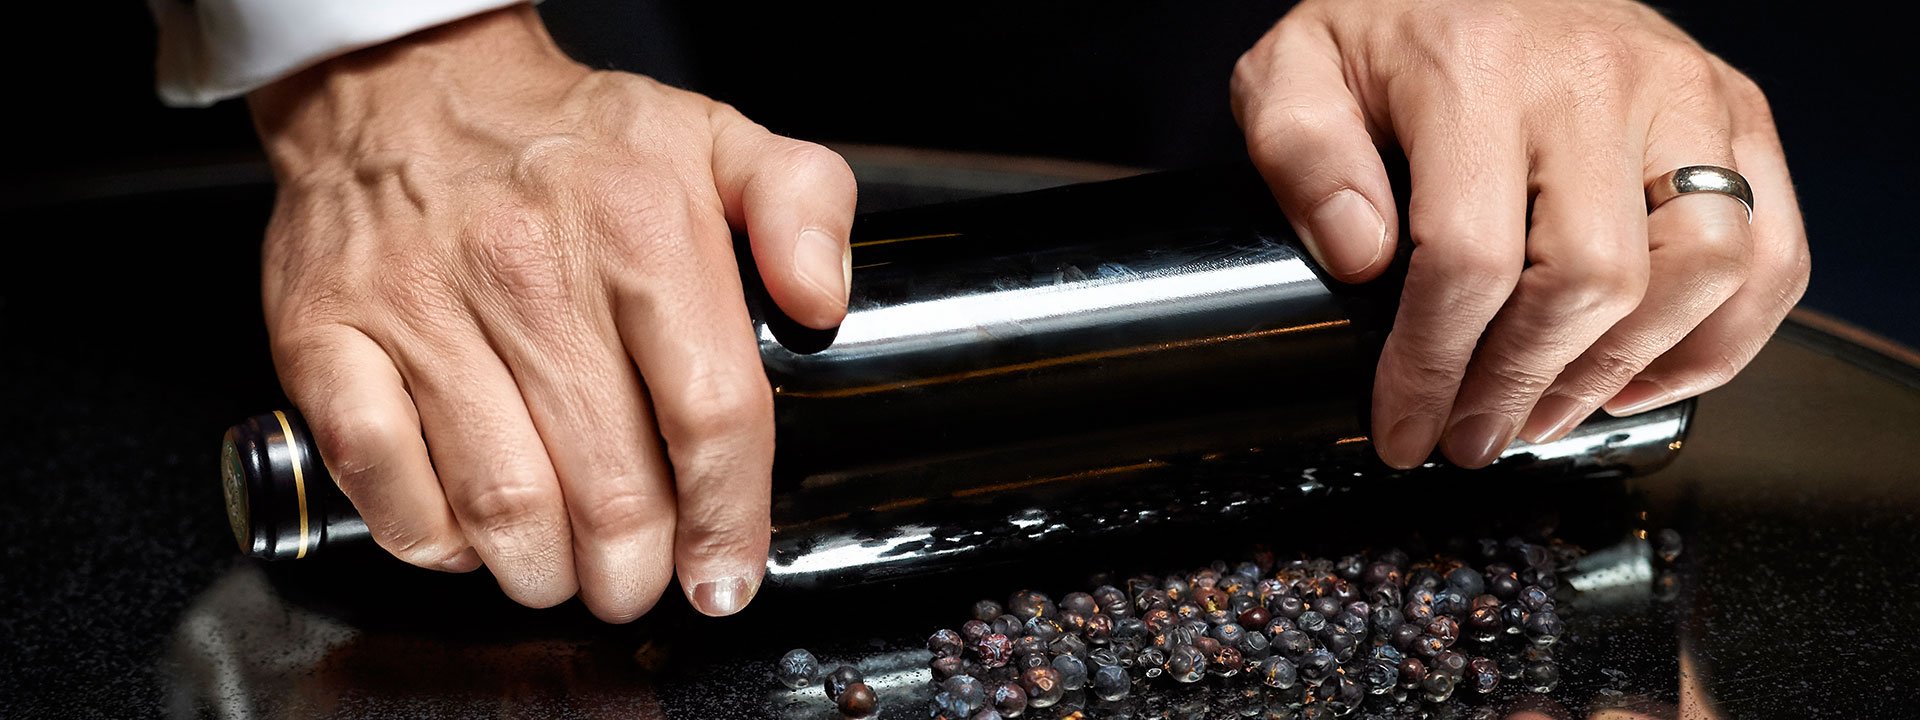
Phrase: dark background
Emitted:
{"points": [[1145, 85]]}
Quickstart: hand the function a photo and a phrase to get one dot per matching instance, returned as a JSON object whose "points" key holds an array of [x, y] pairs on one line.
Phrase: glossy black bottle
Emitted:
{"points": [[1091, 360]]}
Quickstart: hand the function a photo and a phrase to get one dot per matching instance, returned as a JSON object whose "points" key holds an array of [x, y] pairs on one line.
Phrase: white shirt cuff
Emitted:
{"points": [[211, 50]]}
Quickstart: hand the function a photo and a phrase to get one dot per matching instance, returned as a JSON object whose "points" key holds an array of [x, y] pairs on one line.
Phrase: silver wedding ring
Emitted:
{"points": [[1700, 179]]}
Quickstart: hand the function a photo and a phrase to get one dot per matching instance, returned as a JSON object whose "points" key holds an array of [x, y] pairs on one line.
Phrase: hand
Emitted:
{"points": [[484, 248], [1539, 287]]}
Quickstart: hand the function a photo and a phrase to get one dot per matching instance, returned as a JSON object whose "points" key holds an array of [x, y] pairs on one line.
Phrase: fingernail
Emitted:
{"points": [[1637, 396], [1477, 440], [1553, 417], [1409, 443], [1345, 234], [466, 561], [722, 597], [824, 264]]}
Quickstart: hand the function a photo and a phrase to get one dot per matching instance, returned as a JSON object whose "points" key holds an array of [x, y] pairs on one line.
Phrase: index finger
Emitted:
{"points": [[1467, 222], [684, 321]]}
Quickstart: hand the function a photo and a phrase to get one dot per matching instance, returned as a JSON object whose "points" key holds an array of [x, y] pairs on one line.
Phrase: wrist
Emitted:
{"points": [[395, 89]]}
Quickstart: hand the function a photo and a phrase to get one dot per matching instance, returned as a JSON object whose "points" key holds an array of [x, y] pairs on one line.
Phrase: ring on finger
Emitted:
{"points": [[1700, 179]]}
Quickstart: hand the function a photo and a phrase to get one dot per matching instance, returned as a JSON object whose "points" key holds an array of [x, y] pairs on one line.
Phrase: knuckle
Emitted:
{"points": [[1284, 120], [1690, 68], [1725, 246], [1522, 374], [1604, 52], [1744, 92], [621, 514], [1426, 379], [359, 443], [818, 163], [1593, 284], [1472, 270], [1249, 73], [650, 225], [1615, 367], [713, 408], [416, 293], [1469, 43], [414, 544], [518, 255], [517, 514], [1722, 365], [1799, 270], [548, 159], [719, 532]]}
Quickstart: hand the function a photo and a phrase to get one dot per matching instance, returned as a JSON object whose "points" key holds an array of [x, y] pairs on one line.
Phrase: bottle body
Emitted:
{"points": [[1074, 361]]}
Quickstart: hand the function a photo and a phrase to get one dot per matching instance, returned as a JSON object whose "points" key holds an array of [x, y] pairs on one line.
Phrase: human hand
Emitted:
{"points": [[486, 249], [1539, 286]]}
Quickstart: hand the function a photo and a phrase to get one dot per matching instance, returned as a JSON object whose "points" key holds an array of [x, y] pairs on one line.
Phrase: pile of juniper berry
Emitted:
{"points": [[1307, 638], [1373, 636]]}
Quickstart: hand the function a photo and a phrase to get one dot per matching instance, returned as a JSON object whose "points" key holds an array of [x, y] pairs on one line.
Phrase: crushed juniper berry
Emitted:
{"points": [[1287, 606], [947, 705], [946, 667], [1369, 635], [1072, 670], [1379, 676], [1449, 602], [1535, 597], [945, 643], [993, 651], [1437, 686], [1042, 685], [1544, 627], [1445, 628], [1412, 671], [1514, 616], [987, 610], [839, 680], [971, 693], [1293, 643], [1007, 625], [1254, 645], [1385, 620], [1009, 698], [1026, 604], [1229, 634], [1254, 618], [1418, 612], [1486, 674], [1317, 666], [972, 630], [1467, 581], [1311, 621], [1341, 643], [1111, 683], [796, 669], [857, 700], [1484, 623], [1151, 662], [1186, 663]]}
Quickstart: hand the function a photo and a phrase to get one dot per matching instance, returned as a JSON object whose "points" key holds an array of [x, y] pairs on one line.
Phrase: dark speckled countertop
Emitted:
{"points": [[130, 337]]}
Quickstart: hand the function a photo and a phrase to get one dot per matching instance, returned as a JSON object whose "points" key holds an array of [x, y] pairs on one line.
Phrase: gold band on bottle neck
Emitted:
{"points": [[299, 481]]}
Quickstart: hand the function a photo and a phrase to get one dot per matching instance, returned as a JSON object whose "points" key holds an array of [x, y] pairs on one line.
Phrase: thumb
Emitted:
{"points": [[1308, 136], [795, 200]]}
